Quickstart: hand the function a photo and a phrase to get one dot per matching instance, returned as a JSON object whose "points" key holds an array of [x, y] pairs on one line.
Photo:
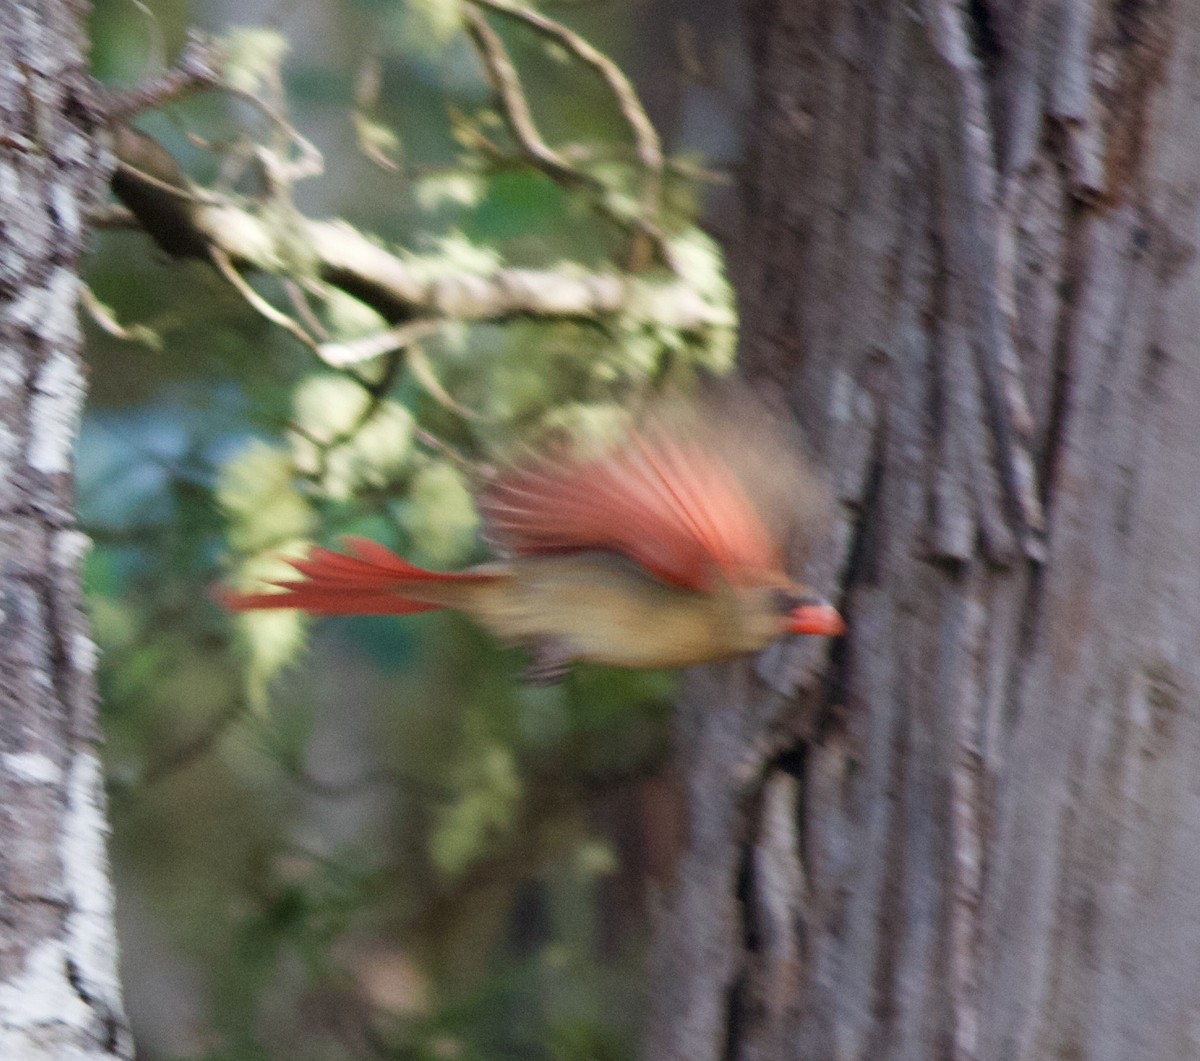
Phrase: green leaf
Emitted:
{"points": [[377, 139], [490, 789], [348, 318], [455, 188], [253, 56], [257, 491], [440, 515], [432, 24], [268, 640], [333, 443]]}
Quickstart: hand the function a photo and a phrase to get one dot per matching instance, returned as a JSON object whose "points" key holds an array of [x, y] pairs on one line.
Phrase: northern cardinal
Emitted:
{"points": [[666, 550]]}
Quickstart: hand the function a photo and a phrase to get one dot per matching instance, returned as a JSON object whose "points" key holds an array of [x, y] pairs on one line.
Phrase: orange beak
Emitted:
{"points": [[820, 619]]}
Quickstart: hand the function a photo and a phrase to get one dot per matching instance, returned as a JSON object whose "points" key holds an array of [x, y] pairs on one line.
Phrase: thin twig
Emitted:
{"points": [[645, 136], [186, 193], [311, 162], [107, 322], [297, 297], [196, 69], [443, 448], [514, 107], [422, 372], [227, 269], [111, 216], [356, 351], [647, 142], [366, 95]]}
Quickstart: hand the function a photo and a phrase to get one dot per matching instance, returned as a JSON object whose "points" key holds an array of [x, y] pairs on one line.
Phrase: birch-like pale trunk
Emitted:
{"points": [[970, 262], [59, 997]]}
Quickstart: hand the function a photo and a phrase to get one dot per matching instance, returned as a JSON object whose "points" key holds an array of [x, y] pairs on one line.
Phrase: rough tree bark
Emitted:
{"points": [[970, 261], [58, 985]]}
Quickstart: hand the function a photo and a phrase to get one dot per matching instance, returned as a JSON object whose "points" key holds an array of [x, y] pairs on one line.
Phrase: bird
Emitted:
{"points": [[664, 549]]}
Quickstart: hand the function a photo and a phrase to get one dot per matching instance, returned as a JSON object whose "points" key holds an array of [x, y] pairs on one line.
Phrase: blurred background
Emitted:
{"points": [[363, 837]]}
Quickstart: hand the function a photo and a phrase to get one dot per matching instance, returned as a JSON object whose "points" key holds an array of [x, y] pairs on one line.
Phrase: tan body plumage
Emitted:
{"points": [[602, 608]]}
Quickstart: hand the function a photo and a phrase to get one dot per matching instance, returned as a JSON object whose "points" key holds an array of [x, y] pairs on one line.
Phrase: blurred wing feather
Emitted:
{"points": [[665, 498]]}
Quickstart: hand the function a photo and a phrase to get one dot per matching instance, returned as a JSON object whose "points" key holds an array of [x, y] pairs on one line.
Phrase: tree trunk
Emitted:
{"points": [[58, 986], [970, 264]]}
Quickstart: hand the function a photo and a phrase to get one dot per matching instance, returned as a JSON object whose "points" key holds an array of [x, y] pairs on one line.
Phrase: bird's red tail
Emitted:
{"points": [[372, 581]]}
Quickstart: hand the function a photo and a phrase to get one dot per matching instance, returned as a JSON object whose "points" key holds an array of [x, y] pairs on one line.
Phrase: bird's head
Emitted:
{"points": [[804, 612], [773, 607]]}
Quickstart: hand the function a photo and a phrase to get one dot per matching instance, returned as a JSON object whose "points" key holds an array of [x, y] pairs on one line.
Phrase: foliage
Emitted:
{"points": [[364, 838]]}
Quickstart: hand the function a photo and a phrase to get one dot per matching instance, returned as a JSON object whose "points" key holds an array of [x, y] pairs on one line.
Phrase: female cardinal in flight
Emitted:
{"points": [[665, 550]]}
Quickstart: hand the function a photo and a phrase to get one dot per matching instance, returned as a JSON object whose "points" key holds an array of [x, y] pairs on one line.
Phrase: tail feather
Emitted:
{"points": [[372, 581]]}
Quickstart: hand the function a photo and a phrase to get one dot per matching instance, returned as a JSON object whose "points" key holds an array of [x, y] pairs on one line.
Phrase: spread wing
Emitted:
{"points": [[673, 497]]}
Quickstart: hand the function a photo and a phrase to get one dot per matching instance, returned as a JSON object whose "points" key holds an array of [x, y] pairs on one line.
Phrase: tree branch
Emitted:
{"points": [[188, 222]]}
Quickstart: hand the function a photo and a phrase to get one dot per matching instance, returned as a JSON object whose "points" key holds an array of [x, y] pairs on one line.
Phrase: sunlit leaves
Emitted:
{"points": [[268, 519], [520, 386], [701, 265], [344, 440], [257, 492], [377, 140], [488, 790], [592, 425], [455, 255], [458, 188], [347, 317], [269, 640], [440, 516], [252, 56], [648, 334], [433, 23]]}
